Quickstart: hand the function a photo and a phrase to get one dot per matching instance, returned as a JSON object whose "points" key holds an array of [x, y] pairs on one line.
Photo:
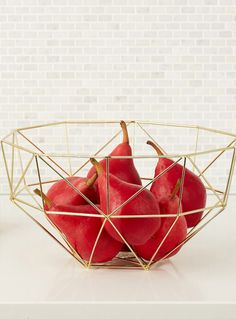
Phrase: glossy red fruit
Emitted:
{"points": [[177, 234], [121, 168], [62, 193], [194, 192], [82, 231], [137, 230]]}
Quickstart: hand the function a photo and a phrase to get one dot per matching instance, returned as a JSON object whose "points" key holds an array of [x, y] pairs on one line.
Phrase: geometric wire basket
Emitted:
{"points": [[40, 155]]}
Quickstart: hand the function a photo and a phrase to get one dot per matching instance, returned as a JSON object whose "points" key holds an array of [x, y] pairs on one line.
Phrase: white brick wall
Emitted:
{"points": [[168, 60]]}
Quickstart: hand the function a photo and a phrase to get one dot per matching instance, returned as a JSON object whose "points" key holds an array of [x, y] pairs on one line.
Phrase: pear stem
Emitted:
{"points": [[156, 148], [176, 189], [125, 132], [46, 200], [97, 166], [90, 181]]}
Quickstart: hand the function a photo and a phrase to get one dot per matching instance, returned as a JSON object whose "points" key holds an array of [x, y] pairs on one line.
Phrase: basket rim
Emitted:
{"points": [[173, 124], [141, 156], [231, 146]]}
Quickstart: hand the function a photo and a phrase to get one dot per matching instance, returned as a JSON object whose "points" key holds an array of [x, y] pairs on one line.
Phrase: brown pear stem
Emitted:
{"points": [[176, 189], [90, 181], [97, 166], [156, 148], [125, 132], [46, 200]]}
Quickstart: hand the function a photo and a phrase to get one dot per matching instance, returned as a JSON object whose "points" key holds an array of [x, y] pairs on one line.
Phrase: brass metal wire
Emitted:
{"points": [[37, 156]]}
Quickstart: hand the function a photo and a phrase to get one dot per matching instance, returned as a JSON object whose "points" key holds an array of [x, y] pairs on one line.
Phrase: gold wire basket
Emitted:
{"points": [[40, 155]]}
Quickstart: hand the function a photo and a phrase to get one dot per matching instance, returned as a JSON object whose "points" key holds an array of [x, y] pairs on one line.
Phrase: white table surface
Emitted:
{"points": [[33, 268]]}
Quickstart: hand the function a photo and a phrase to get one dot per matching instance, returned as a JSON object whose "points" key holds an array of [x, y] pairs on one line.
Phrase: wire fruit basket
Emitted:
{"points": [[39, 156]]}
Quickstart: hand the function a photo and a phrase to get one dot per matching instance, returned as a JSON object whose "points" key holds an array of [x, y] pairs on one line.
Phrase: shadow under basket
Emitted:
{"points": [[40, 155]]}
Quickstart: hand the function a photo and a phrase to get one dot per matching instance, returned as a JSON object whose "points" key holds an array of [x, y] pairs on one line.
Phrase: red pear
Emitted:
{"points": [[136, 230], [62, 193], [121, 168], [168, 205], [82, 231], [194, 192], [125, 248]]}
